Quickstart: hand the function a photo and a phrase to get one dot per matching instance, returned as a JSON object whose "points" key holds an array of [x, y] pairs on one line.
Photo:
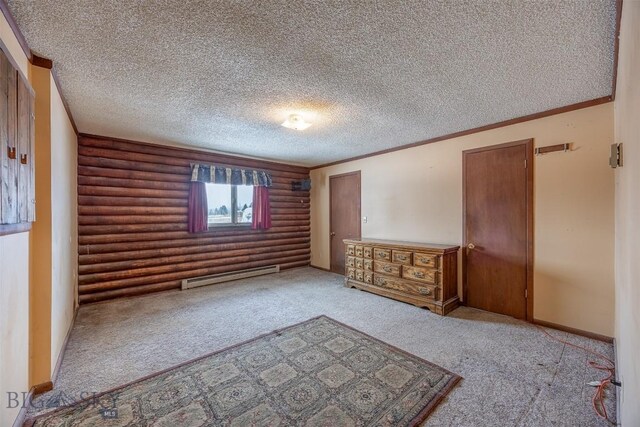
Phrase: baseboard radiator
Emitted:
{"points": [[196, 282]]}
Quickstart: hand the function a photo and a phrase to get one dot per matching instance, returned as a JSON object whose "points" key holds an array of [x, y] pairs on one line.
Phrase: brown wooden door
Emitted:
{"points": [[345, 215], [497, 193]]}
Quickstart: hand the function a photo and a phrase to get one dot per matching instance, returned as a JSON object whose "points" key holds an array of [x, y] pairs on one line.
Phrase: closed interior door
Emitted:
{"points": [[345, 215], [498, 189]]}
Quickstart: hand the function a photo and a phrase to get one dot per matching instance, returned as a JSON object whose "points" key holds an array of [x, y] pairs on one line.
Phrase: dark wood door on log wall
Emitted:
{"points": [[498, 188], [344, 220], [132, 220]]}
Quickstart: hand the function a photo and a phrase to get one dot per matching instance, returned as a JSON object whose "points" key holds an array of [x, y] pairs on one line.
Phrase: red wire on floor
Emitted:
{"points": [[598, 398]]}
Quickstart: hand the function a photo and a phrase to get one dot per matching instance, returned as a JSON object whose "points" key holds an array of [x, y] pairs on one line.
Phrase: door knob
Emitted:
{"points": [[332, 234], [471, 246]]}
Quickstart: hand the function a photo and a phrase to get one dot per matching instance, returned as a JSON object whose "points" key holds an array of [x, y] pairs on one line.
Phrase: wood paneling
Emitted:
{"points": [[132, 220], [17, 204]]}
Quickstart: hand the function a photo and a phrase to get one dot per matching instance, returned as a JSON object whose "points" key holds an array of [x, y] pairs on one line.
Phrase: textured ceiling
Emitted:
{"points": [[369, 75]]}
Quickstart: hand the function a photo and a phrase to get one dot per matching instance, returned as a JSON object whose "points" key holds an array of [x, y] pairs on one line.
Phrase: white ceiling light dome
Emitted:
{"points": [[296, 121]]}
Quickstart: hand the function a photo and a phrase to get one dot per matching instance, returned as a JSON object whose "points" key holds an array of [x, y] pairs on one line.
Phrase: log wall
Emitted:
{"points": [[132, 220]]}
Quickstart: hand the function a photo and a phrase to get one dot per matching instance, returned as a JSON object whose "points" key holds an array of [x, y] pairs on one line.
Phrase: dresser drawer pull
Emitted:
{"points": [[382, 254], [425, 260], [425, 291], [387, 269], [402, 257], [418, 274]]}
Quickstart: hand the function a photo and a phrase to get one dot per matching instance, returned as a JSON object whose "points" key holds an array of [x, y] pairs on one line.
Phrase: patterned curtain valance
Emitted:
{"points": [[226, 175]]}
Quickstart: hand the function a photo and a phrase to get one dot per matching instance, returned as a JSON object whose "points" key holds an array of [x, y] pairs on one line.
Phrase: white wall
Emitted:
{"points": [[627, 132], [64, 217], [14, 321], [416, 195]]}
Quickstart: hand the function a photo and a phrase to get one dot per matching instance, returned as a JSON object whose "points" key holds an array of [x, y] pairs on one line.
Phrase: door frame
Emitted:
{"points": [[528, 143], [341, 175]]}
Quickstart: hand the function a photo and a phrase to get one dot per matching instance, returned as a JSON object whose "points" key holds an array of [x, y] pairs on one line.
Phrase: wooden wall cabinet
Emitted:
{"points": [[421, 274], [17, 186]]}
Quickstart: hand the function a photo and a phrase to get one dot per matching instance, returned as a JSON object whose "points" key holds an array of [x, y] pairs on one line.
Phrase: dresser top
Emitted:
{"points": [[402, 244]]}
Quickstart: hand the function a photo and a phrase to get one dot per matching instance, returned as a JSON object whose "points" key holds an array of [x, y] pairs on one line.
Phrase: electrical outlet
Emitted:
{"points": [[364, 219]]}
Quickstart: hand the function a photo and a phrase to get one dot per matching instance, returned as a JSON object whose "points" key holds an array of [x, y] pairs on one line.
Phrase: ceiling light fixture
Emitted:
{"points": [[296, 121]]}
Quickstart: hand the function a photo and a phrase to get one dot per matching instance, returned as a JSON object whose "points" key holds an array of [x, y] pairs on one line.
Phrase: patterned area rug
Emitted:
{"points": [[316, 373]]}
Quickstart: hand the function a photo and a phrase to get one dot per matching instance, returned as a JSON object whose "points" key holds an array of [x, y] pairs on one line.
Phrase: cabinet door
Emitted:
{"points": [[8, 148], [25, 153], [25, 158]]}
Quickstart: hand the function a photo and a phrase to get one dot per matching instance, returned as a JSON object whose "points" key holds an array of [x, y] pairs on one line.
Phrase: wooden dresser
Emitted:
{"points": [[422, 274]]}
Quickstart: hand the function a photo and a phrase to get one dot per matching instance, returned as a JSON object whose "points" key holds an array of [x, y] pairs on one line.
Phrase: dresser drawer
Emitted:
{"points": [[427, 291], [368, 277], [351, 250], [359, 263], [360, 275], [368, 252], [420, 274], [382, 254], [425, 260], [401, 257], [386, 268], [350, 261], [368, 264], [359, 250], [351, 273]]}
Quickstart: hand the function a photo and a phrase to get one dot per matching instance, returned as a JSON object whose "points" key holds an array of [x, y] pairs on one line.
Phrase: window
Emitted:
{"points": [[229, 204]]}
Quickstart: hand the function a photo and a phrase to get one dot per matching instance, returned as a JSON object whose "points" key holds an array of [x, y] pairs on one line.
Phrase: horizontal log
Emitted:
{"points": [[90, 190], [132, 210], [291, 206], [129, 228], [288, 193], [132, 146], [84, 150], [87, 202], [225, 258], [184, 235], [131, 165], [238, 264], [278, 210], [132, 174], [158, 287], [175, 260], [295, 264], [132, 219], [98, 181], [292, 198], [289, 217], [282, 223], [163, 176], [145, 250], [128, 292]]}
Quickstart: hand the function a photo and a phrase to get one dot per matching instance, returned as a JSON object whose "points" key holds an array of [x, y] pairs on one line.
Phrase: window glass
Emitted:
{"points": [[244, 203], [219, 203]]}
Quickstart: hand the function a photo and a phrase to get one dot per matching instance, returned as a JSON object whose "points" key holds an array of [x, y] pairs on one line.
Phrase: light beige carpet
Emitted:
{"points": [[317, 373]]}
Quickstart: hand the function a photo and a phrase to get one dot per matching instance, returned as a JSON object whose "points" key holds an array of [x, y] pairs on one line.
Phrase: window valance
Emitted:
{"points": [[226, 175]]}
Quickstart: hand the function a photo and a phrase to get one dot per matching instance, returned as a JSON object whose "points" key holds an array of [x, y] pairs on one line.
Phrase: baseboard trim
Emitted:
{"points": [[575, 331], [320, 268], [19, 421], [42, 388], [63, 350]]}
